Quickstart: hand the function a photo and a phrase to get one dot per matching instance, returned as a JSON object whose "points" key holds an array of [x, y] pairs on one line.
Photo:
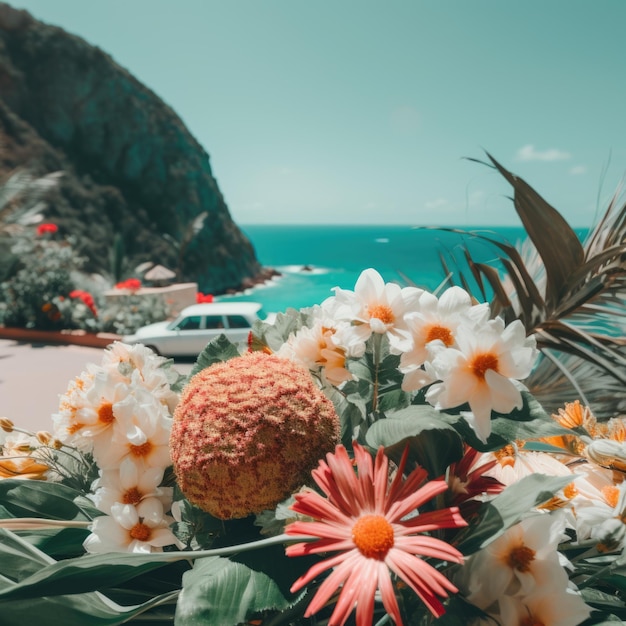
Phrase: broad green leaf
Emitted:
{"points": [[433, 444], [220, 591], [275, 334], [217, 350], [18, 558], [82, 574], [529, 422], [617, 581], [609, 602], [90, 609], [33, 498], [351, 416], [60, 543], [508, 508]]}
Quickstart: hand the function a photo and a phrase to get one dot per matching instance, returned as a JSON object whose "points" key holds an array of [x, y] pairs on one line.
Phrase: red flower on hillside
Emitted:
{"points": [[86, 298], [203, 297], [47, 228], [132, 284]]}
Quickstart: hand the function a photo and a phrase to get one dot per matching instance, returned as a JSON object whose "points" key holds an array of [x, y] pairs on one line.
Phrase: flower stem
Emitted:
{"points": [[376, 344]]}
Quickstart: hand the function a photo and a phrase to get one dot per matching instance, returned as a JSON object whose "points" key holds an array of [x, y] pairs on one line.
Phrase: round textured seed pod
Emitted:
{"points": [[247, 432]]}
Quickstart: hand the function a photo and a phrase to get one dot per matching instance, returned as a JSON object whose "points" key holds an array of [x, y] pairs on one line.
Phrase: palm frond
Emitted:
{"points": [[570, 295], [559, 378]]}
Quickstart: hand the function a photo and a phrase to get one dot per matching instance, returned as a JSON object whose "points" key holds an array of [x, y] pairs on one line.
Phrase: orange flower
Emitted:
{"points": [[23, 467], [364, 519]]}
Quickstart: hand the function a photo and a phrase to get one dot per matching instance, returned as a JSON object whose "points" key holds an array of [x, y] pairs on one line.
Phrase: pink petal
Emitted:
{"points": [[366, 583], [408, 503], [336, 578], [315, 506], [435, 520], [315, 571], [429, 546], [411, 570], [320, 529], [388, 594], [322, 545]]}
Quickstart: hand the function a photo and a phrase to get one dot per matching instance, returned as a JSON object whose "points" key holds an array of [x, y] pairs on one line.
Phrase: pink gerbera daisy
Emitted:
{"points": [[365, 519]]}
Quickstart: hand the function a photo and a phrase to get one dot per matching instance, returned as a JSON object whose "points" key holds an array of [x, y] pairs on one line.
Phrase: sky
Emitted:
{"points": [[369, 112]]}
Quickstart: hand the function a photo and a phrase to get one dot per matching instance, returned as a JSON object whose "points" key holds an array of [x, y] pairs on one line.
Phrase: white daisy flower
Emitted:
{"points": [[549, 606], [375, 307], [141, 528], [130, 485], [522, 560], [436, 320], [482, 371]]}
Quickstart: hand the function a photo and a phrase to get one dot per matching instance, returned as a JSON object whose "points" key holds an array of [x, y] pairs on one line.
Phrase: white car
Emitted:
{"points": [[191, 331]]}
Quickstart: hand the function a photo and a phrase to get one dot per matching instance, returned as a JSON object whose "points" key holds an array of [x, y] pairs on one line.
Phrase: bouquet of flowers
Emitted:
{"points": [[375, 459]]}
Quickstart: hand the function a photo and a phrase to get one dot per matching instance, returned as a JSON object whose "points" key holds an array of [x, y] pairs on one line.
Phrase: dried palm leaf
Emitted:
{"points": [[570, 295]]}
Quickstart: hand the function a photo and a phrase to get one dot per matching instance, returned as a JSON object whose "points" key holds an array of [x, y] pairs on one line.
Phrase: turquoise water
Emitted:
{"points": [[338, 254]]}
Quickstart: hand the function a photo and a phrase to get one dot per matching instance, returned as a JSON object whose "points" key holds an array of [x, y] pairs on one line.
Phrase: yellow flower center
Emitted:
{"points": [[570, 491], [381, 312], [141, 451], [373, 536], [141, 532], [520, 558], [105, 413], [506, 456], [439, 332], [131, 496], [74, 428], [483, 362], [611, 495]]}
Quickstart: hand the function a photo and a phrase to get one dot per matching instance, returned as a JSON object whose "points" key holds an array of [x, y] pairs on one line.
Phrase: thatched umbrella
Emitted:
{"points": [[159, 275]]}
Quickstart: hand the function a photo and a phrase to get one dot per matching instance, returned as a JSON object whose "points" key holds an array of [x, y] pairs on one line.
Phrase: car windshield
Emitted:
{"points": [[192, 322]]}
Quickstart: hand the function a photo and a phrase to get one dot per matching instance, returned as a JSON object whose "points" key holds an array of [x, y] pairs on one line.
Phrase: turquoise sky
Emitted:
{"points": [[359, 111]]}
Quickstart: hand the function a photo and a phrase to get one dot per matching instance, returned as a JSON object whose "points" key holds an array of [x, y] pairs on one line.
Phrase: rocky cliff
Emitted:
{"points": [[130, 165]]}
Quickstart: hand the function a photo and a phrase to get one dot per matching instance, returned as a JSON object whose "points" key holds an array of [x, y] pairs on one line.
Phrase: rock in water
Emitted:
{"points": [[130, 165]]}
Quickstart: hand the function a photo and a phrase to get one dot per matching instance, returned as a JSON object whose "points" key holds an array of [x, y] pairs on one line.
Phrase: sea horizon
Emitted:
{"points": [[312, 259]]}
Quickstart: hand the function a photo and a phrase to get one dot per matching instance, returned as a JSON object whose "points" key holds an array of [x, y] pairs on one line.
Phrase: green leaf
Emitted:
{"points": [[529, 422], [433, 444], [92, 609], [275, 334], [90, 572], [219, 591], [217, 350], [508, 508], [59, 543], [351, 415], [18, 558], [33, 498]]}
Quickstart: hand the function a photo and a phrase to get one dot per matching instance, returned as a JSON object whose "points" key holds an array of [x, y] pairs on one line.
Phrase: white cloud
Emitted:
{"points": [[578, 170], [529, 153], [435, 204]]}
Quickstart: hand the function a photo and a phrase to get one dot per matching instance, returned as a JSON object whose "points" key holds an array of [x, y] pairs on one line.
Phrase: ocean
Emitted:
{"points": [[313, 259]]}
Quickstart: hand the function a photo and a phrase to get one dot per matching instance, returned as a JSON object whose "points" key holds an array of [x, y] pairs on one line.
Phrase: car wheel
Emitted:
{"points": [[154, 349]]}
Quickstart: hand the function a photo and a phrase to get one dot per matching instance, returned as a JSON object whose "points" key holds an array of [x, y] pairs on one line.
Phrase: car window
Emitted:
{"points": [[237, 321], [214, 321], [189, 323]]}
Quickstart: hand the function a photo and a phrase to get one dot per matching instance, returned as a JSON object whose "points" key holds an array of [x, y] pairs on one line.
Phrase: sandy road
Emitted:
{"points": [[32, 376]]}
